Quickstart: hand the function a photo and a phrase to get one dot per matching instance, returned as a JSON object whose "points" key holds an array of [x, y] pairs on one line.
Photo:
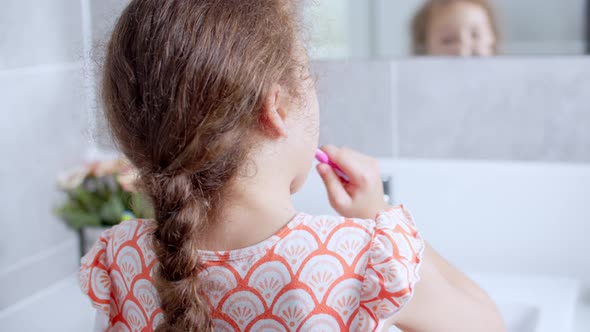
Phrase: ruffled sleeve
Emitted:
{"points": [[94, 277], [392, 269], [116, 277]]}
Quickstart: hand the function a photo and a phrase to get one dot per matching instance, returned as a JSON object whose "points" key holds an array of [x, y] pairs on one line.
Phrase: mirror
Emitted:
{"points": [[392, 28]]}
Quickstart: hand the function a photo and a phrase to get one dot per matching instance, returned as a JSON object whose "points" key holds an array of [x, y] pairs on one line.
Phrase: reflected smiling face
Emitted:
{"points": [[460, 28]]}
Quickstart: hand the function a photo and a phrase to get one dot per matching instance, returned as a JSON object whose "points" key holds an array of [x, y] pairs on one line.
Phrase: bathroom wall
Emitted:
{"points": [[491, 154], [44, 129], [529, 109], [358, 103]]}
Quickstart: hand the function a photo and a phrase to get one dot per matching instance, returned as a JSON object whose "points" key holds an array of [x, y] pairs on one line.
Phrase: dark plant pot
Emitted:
{"points": [[88, 237]]}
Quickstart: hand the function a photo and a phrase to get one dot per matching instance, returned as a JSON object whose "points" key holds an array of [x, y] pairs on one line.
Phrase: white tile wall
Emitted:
{"points": [[40, 32], [44, 134], [44, 129]]}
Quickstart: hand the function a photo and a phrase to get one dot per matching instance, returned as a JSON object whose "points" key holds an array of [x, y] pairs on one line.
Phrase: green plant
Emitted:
{"points": [[101, 194]]}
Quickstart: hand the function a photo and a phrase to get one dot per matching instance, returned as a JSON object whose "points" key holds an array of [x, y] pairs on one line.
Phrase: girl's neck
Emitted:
{"points": [[255, 208]]}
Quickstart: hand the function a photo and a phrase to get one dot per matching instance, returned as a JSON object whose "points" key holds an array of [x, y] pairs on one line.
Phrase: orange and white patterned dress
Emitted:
{"points": [[319, 273]]}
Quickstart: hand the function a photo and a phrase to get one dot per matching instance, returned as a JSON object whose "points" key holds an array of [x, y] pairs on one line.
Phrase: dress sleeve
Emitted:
{"points": [[94, 277], [392, 269]]}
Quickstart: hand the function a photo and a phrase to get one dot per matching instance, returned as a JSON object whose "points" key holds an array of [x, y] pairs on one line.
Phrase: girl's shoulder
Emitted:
{"points": [[395, 220], [118, 269]]}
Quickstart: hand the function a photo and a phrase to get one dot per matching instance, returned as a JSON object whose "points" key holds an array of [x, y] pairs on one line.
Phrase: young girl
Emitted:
{"points": [[455, 28], [212, 101]]}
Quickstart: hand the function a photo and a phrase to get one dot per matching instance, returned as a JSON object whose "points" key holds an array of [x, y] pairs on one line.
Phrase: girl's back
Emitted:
{"points": [[320, 273]]}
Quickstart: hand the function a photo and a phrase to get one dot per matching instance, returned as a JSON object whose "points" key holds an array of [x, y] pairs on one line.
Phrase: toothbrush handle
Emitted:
{"points": [[341, 174]]}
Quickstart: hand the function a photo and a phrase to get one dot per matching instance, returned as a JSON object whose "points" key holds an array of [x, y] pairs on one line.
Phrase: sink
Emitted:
{"points": [[531, 303], [518, 317]]}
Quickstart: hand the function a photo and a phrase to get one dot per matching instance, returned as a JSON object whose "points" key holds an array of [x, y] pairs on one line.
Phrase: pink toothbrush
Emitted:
{"points": [[323, 158]]}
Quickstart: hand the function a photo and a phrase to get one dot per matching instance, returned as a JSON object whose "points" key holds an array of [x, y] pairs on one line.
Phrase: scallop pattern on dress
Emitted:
{"points": [[395, 276], [157, 320], [292, 307], [113, 308], [145, 292], [268, 325], [317, 274], [219, 281], [129, 261], [361, 264], [120, 289], [121, 234], [295, 247], [242, 266], [268, 279], [147, 252], [323, 226], [383, 249], [243, 307], [382, 307], [348, 243], [83, 280], [321, 323], [101, 284], [134, 316], [365, 322], [345, 298]]}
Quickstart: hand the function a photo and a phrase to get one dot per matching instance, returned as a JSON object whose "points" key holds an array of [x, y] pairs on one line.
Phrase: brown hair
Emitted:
{"points": [[423, 18], [183, 85]]}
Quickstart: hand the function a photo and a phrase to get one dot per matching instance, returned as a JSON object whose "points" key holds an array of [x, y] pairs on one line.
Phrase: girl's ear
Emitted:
{"points": [[273, 115]]}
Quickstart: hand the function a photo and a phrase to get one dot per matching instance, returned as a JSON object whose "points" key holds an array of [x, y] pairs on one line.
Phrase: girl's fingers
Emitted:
{"points": [[349, 161], [336, 193]]}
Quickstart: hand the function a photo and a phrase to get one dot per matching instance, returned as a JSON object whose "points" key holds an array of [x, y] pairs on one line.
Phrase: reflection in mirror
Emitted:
{"points": [[385, 28], [455, 28]]}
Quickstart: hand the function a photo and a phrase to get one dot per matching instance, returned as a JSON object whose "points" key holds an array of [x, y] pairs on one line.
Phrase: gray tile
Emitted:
{"points": [[505, 108], [356, 105], [40, 32]]}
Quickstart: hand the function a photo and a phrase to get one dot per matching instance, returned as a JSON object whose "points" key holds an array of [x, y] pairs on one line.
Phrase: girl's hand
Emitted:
{"points": [[362, 196]]}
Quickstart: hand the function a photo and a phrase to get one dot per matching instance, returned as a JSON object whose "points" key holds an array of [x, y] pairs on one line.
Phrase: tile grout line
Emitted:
{"points": [[37, 257], [395, 107], [43, 68], [36, 296]]}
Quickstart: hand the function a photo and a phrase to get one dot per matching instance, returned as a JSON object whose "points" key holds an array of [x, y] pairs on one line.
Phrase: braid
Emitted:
{"points": [[180, 216], [182, 88]]}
